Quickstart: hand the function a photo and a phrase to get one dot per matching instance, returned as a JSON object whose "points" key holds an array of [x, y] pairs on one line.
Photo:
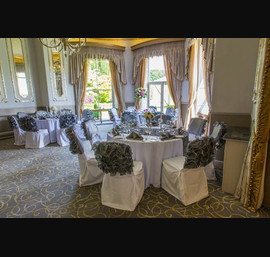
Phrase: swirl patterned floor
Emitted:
{"points": [[43, 183]]}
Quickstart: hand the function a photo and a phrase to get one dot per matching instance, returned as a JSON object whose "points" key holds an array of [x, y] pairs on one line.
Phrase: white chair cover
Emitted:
{"points": [[210, 171], [19, 136], [37, 139], [61, 137], [123, 192], [187, 185], [90, 173]]}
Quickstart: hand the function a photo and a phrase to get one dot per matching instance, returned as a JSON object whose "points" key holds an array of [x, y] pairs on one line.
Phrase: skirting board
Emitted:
{"points": [[7, 134]]}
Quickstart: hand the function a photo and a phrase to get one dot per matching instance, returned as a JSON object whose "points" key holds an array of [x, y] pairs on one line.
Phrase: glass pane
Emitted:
{"points": [[19, 65], [57, 71], [155, 96], [99, 94], [156, 69]]}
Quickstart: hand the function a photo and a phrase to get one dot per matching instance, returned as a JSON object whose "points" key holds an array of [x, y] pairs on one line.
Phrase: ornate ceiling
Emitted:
{"points": [[121, 43]]}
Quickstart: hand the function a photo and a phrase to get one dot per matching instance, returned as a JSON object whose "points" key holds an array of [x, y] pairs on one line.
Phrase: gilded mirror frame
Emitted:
{"points": [[53, 78], [12, 66], [3, 94]]}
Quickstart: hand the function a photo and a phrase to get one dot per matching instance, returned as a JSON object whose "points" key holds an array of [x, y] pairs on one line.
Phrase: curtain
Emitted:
{"points": [[76, 70], [117, 88], [250, 186], [174, 53], [79, 90], [76, 61], [192, 91], [175, 89], [207, 45], [141, 82]]}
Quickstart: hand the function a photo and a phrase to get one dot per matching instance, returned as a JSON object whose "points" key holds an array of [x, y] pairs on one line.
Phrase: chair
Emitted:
{"points": [[87, 114], [34, 137], [186, 177], [65, 111], [90, 174], [219, 130], [41, 114], [169, 111], [114, 117], [65, 120], [21, 114], [165, 118], [90, 131], [131, 109], [196, 128], [19, 134], [123, 181], [152, 109], [128, 117]]}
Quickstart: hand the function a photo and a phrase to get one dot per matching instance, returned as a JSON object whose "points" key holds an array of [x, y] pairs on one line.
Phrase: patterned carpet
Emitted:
{"points": [[43, 183]]}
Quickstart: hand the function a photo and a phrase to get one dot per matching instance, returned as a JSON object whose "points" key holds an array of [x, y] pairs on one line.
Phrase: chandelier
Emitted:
{"points": [[65, 44]]}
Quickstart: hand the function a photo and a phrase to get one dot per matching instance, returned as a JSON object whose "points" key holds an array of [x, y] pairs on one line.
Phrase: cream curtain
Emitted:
{"points": [[250, 188], [174, 53], [79, 90], [76, 61], [76, 71], [208, 45], [175, 90], [118, 90], [192, 91], [141, 82]]}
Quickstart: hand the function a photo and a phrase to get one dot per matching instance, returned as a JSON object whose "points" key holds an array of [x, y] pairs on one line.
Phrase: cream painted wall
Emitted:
{"points": [[234, 75], [40, 81]]}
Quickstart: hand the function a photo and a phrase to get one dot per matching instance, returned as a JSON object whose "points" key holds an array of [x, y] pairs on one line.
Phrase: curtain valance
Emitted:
{"points": [[76, 61], [174, 51], [208, 45], [208, 52]]}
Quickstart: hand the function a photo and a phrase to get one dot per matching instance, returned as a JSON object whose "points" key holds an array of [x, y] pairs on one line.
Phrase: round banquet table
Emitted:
{"points": [[152, 154], [52, 125]]}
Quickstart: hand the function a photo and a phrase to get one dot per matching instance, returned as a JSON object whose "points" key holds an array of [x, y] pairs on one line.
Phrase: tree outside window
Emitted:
{"points": [[99, 92]]}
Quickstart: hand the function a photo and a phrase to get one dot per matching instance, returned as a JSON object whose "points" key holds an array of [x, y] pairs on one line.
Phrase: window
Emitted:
{"points": [[99, 91], [201, 104], [158, 92]]}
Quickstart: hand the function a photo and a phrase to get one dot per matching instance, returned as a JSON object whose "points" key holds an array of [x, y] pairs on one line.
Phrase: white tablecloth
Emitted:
{"points": [[152, 154], [52, 125]]}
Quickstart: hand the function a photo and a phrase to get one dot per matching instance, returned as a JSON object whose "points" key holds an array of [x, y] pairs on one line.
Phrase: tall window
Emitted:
{"points": [[201, 104], [99, 91], [157, 87]]}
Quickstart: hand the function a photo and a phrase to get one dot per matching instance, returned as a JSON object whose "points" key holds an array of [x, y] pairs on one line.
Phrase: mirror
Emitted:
{"points": [[19, 68], [56, 62], [3, 95], [57, 74]]}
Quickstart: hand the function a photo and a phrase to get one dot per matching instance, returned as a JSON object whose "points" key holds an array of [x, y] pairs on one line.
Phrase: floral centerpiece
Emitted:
{"points": [[140, 93], [148, 116], [53, 108]]}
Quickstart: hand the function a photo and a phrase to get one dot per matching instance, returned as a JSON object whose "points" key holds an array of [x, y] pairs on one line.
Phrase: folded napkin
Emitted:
{"points": [[154, 123], [134, 136], [182, 131], [115, 132], [167, 136]]}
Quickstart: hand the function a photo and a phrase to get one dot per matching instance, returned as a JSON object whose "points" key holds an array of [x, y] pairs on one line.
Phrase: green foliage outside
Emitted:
{"points": [[156, 74], [99, 85]]}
